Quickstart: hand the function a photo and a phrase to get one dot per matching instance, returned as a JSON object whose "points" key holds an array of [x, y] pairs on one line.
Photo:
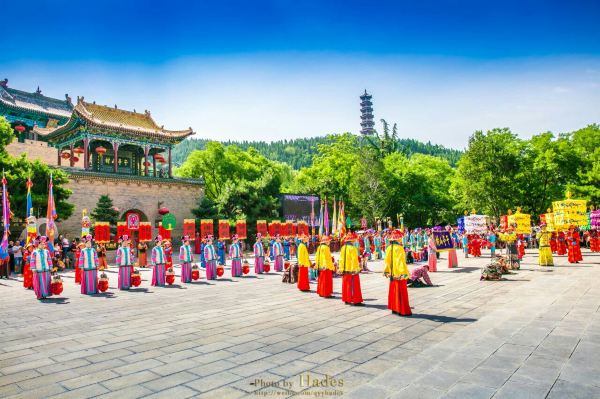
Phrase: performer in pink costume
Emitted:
{"points": [[186, 257]]}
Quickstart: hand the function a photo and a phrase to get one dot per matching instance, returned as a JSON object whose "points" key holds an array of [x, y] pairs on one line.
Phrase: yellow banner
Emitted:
{"points": [[522, 221], [569, 213]]}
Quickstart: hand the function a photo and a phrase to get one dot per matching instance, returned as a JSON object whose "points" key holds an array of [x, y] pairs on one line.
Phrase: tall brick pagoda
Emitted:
{"points": [[366, 111]]}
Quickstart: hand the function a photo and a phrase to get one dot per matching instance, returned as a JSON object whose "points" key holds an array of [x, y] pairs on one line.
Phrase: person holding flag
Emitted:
{"points": [[303, 264], [88, 263], [324, 263], [159, 260], [397, 271], [349, 268], [124, 261], [41, 266], [186, 257], [235, 253], [259, 255]]}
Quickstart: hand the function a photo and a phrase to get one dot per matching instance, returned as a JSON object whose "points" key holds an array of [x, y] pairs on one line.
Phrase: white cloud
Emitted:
{"points": [[274, 96]]}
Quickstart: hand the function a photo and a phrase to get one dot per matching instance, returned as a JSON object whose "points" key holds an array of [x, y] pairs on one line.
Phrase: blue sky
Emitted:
{"points": [[282, 69]]}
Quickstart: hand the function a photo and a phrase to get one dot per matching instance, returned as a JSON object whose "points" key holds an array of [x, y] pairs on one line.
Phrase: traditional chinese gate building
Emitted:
{"points": [[105, 150]]}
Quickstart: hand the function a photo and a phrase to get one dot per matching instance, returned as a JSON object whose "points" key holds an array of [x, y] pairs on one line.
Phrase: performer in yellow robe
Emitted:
{"points": [[325, 266], [397, 271], [545, 253], [303, 265], [350, 268]]}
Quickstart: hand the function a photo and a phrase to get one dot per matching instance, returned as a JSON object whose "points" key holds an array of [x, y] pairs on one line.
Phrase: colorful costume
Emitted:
{"points": [[159, 260], [259, 255], [417, 274], [397, 271], [492, 240], [378, 251], [303, 266], [350, 269], [278, 255], [465, 245], [124, 260], [186, 257], [41, 266], [221, 252], [101, 249], [573, 246], [88, 263], [210, 259], [235, 253], [545, 253], [432, 261], [326, 268], [142, 254], [562, 244]]}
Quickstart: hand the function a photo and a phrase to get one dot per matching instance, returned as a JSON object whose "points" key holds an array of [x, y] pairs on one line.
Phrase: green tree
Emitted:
{"points": [[486, 177], [105, 211], [18, 169], [586, 183]]}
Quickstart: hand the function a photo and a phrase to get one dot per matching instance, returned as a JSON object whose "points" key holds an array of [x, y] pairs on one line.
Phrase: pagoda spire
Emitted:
{"points": [[366, 110]]}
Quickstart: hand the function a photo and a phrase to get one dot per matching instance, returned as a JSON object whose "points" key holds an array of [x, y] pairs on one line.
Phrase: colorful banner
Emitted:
{"points": [[549, 219], [302, 228], [206, 228], [261, 227], [476, 224], [569, 213], [224, 230], [443, 240], [595, 219], [189, 228], [145, 231], [275, 228], [522, 222], [166, 234], [86, 224], [460, 225], [102, 232], [286, 228], [503, 222], [122, 229], [51, 214], [241, 230], [133, 220]]}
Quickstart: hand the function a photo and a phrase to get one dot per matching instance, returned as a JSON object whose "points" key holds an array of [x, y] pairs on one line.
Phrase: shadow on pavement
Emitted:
{"points": [[442, 319], [55, 301]]}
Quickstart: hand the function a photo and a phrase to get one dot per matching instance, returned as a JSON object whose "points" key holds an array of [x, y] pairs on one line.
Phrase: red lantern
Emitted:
{"points": [[267, 267], [65, 155], [78, 150], [162, 160], [56, 286], [136, 278], [220, 271], [100, 150], [286, 265], [195, 273], [170, 276], [103, 282], [159, 157], [246, 269], [75, 159], [163, 211], [20, 128], [147, 163]]}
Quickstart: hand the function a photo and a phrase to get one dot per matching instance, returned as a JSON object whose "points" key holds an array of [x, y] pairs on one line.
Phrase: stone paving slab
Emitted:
{"points": [[534, 335]]}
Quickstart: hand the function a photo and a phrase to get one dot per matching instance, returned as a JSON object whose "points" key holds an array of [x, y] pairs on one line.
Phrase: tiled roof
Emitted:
{"points": [[35, 101], [104, 117]]}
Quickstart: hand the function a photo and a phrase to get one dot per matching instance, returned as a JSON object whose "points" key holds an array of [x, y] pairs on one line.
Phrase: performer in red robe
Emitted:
{"points": [[77, 268], [573, 245], [27, 273], [553, 243], [562, 244], [521, 246]]}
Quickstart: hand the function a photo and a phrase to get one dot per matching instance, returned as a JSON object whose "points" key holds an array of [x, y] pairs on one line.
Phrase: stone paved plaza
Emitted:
{"points": [[534, 335]]}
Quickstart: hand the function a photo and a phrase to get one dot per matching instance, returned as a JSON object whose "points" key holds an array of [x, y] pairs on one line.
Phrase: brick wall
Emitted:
{"points": [[39, 150], [138, 194]]}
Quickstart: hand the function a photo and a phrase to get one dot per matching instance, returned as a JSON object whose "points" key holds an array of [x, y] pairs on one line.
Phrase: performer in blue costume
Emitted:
{"points": [[221, 252]]}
